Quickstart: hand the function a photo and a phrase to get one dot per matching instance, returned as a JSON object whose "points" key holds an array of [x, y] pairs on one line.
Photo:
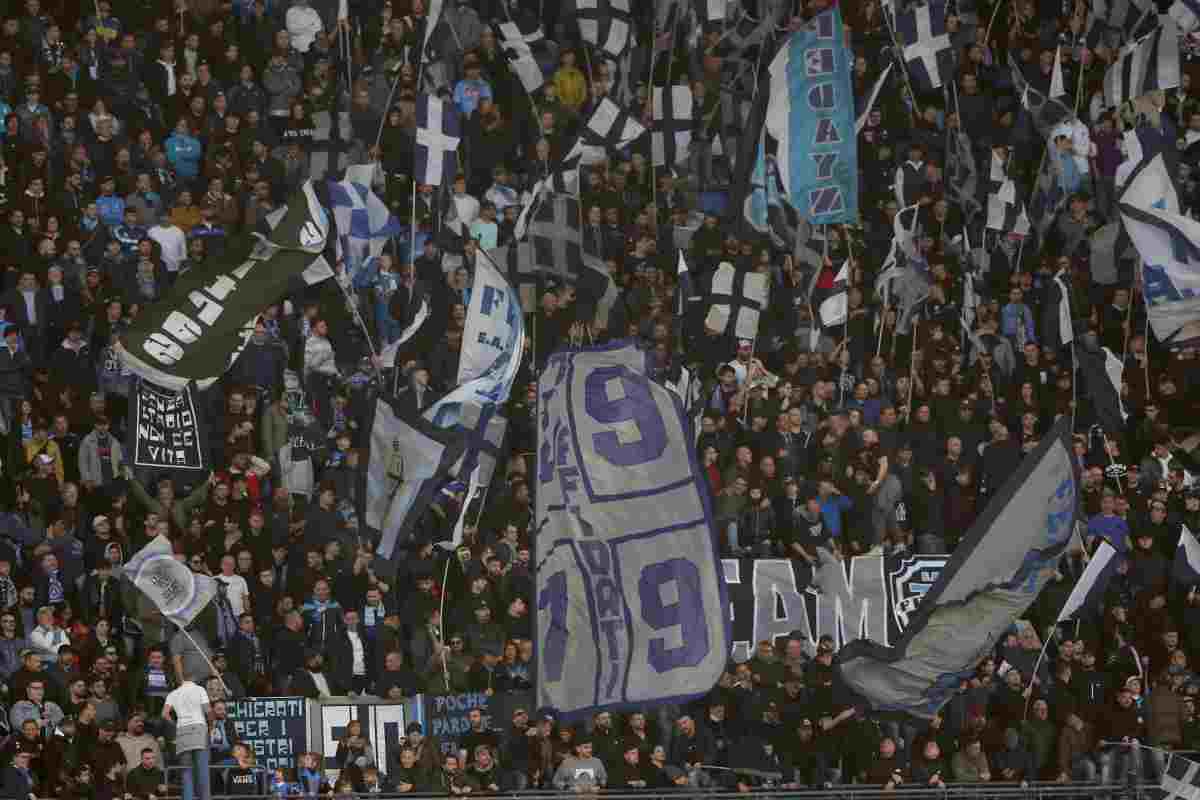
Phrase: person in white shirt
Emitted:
{"points": [[236, 589], [173, 243], [465, 205], [192, 713], [357, 680]]}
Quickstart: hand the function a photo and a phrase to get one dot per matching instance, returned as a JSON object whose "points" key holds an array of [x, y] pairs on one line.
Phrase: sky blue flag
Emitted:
{"points": [[1089, 590], [1002, 565], [810, 115], [1186, 569]]}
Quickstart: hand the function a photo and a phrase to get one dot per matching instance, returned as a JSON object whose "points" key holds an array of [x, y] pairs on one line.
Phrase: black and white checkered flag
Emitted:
{"points": [[1181, 778], [605, 23], [671, 134], [518, 43], [610, 128]]}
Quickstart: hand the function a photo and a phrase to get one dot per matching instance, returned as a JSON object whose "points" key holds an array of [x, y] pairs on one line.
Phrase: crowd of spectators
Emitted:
{"points": [[140, 141]]}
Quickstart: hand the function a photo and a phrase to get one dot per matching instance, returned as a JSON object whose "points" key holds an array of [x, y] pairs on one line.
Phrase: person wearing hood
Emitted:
{"points": [[72, 362]]}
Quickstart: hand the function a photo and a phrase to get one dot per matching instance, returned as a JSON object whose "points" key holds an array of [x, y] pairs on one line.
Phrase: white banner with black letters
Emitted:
{"points": [[167, 429]]}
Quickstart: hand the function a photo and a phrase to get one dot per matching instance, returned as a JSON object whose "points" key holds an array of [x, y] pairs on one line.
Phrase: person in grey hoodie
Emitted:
{"points": [[283, 85], [582, 771]]}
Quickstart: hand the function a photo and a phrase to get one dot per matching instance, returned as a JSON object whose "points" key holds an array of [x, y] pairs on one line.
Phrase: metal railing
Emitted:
{"points": [[972, 791]]}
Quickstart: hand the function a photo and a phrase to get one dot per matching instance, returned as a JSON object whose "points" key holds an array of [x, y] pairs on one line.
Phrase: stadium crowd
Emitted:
{"points": [[141, 140]]}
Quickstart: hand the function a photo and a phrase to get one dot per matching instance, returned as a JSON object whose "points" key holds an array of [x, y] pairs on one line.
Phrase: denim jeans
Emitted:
{"points": [[1120, 765], [1083, 768], [196, 784]]}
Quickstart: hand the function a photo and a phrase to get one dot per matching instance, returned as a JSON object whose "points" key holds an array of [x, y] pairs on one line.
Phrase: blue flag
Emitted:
{"points": [[811, 116]]}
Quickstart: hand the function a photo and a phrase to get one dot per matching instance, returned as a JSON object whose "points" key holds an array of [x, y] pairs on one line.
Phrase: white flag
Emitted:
{"points": [[179, 593]]}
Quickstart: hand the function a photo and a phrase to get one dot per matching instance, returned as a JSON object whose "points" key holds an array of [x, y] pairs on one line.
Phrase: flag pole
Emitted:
{"points": [[987, 38], [912, 108], [1033, 675], [207, 658], [442, 620]]}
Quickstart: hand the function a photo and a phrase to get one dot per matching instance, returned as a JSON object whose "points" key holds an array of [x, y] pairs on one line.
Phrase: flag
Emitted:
{"points": [[684, 293], [1045, 112], [1102, 372], [364, 223], [604, 23], [743, 38], [1186, 14], [200, 328], [834, 309], [1166, 240], [1048, 197], [1056, 75], [178, 593], [631, 606], [408, 460], [610, 128], [486, 428], [1111, 253], [167, 430], [388, 354], [736, 299], [1066, 331], [554, 244], [712, 10], [1004, 212], [671, 129], [494, 331], [474, 488], [564, 180], [517, 43], [433, 15], [872, 97], [1186, 569], [810, 115], [1181, 778], [928, 51], [438, 136], [962, 174], [995, 574], [1149, 64], [1125, 19], [1089, 590]]}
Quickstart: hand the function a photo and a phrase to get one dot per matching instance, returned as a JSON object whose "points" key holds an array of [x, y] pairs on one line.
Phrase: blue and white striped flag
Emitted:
{"points": [[364, 223], [178, 593]]}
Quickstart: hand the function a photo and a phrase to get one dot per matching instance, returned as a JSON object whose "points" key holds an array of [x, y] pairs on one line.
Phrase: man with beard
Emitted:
{"points": [[312, 681], [135, 740]]}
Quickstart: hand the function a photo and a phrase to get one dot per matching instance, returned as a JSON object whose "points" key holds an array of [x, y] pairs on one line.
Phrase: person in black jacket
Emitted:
{"points": [[1122, 722], [313, 681]]}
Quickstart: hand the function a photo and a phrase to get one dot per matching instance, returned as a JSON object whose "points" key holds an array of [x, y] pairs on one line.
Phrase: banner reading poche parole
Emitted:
{"points": [[446, 716], [167, 430], [276, 727]]}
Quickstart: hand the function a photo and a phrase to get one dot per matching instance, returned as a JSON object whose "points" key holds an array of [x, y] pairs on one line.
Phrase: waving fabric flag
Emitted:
{"points": [[517, 43], [1152, 63], [1089, 590], [671, 135], [1166, 240], [736, 300], [609, 129], [605, 23], [835, 307], [364, 223], [197, 331], [1186, 569], [1004, 212], [178, 593], [927, 48], [810, 114], [631, 605], [495, 327], [1102, 372], [408, 459], [1007, 557], [1186, 14], [438, 137]]}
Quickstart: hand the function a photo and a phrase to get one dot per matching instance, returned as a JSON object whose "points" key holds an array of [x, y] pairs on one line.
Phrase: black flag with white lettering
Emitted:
{"points": [[166, 431], [197, 330]]}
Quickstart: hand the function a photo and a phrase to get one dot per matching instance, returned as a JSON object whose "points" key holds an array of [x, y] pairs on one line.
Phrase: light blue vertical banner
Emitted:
{"points": [[812, 116]]}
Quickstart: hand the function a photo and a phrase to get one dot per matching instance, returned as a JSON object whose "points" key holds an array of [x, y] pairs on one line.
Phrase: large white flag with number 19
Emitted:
{"points": [[631, 604]]}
